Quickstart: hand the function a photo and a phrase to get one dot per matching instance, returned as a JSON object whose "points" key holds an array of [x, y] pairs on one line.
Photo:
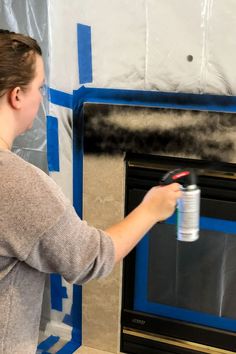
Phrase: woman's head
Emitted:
{"points": [[21, 79], [17, 60]]}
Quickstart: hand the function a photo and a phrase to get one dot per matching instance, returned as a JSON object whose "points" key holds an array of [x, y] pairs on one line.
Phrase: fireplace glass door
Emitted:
{"points": [[179, 297]]}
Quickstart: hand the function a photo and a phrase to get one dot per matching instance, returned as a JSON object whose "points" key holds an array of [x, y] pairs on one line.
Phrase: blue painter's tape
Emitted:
{"points": [[84, 53], [48, 343], [227, 226], [58, 292], [68, 320], [84, 94], [69, 348], [52, 144], [77, 314], [78, 123], [155, 99], [60, 98], [75, 317]]}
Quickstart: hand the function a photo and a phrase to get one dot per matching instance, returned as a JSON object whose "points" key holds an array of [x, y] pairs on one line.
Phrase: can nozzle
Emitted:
{"points": [[186, 177]]}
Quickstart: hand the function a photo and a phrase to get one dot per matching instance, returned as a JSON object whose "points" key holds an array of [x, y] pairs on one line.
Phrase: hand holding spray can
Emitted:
{"points": [[188, 207]]}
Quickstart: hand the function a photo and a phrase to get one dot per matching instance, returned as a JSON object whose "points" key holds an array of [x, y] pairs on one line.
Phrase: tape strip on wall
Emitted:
{"points": [[52, 144], [84, 53]]}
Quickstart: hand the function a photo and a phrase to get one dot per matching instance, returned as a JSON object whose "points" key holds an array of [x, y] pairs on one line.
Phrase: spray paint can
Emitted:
{"points": [[188, 206]]}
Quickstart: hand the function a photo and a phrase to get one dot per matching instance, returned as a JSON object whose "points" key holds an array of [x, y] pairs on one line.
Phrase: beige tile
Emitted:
{"points": [[103, 206]]}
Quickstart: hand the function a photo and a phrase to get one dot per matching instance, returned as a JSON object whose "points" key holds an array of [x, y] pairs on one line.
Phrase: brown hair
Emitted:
{"points": [[17, 60]]}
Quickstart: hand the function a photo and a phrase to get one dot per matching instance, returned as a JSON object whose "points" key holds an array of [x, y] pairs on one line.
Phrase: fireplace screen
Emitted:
{"points": [[192, 281], [196, 277], [189, 282]]}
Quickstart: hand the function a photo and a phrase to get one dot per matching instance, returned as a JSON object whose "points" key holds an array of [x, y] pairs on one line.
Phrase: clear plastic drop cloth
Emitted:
{"points": [[30, 17]]}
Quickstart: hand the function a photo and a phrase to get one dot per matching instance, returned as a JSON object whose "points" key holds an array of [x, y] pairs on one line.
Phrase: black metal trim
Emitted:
{"points": [[177, 329], [135, 345]]}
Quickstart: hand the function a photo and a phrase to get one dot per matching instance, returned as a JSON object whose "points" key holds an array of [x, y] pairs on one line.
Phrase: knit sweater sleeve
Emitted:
{"points": [[40, 227], [74, 249]]}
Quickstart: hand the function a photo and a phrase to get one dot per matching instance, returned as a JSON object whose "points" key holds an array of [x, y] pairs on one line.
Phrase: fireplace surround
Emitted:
{"points": [[108, 131]]}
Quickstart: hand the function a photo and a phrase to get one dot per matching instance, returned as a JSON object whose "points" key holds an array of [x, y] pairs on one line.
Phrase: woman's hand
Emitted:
{"points": [[160, 201], [158, 204]]}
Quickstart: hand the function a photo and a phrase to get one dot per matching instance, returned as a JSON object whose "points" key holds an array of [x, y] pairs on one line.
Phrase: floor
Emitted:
{"points": [[87, 350], [82, 350]]}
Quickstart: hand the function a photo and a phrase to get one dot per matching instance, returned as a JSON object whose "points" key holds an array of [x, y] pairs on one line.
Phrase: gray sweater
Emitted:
{"points": [[40, 233]]}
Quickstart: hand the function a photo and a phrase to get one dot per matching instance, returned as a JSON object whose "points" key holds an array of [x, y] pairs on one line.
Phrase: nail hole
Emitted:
{"points": [[189, 58]]}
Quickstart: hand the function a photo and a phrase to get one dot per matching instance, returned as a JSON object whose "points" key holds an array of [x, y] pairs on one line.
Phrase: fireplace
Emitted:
{"points": [[188, 308], [179, 297]]}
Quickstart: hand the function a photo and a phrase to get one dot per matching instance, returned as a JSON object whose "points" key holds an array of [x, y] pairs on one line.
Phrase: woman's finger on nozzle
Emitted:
{"points": [[177, 189], [175, 186]]}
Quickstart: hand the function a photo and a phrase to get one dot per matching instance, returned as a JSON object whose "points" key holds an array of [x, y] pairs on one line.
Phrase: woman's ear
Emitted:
{"points": [[15, 98]]}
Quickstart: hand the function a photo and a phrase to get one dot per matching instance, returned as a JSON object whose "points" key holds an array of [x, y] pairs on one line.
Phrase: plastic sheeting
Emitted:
{"points": [[30, 17], [147, 44]]}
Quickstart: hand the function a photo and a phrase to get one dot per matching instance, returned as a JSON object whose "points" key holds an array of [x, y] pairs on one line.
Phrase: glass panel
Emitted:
{"points": [[192, 275], [193, 282]]}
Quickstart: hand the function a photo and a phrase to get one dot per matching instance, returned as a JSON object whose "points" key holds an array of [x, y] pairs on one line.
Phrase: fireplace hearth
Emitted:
{"points": [[179, 297]]}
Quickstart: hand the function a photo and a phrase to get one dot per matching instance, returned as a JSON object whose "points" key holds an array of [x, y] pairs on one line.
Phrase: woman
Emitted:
{"points": [[40, 231]]}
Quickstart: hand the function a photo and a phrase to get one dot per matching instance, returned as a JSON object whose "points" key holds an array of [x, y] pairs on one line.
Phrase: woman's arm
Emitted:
{"points": [[158, 204]]}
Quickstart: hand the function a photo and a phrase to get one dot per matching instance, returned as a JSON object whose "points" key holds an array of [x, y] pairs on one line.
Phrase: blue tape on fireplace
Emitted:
{"points": [[141, 283], [58, 292], [74, 320], [154, 99], [213, 224], [157, 99]]}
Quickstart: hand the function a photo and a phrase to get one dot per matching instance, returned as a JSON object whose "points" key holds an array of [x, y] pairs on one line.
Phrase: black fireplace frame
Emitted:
{"points": [[146, 333]]}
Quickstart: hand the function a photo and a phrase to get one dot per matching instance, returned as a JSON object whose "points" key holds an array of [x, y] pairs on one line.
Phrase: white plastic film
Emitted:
{"points": [[30, 17], [147, 44]]}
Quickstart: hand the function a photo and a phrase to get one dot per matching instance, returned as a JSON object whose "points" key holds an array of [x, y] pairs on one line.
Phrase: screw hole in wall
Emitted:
{"points": [[189, 57]]}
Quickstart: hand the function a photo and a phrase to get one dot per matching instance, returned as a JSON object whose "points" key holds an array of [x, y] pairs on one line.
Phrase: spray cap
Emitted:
{"points": [[186, 177]]}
